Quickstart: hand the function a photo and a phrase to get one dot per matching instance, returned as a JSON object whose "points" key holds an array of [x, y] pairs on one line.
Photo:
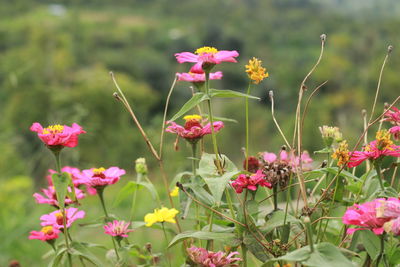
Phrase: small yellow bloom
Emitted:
{"points": [[174, 192], [342, 153], [383, 140], [193, 117], [53, 129], [160, 215], [255, 71], [206, 50]]}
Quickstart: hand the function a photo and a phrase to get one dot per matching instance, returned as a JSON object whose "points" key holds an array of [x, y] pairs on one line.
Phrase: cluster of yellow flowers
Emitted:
{"points": [[383, 140], [161, 215], [255, 71], [342, 153]]}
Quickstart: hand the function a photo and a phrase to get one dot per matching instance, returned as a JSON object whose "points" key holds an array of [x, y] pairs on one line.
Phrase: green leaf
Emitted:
{"points": [[371, 243], [326, 150], [207, 168], [60, 182], [255, 247], [229, 93], [82, 251], [200, 235], [334, 171], [217, 185], [196, 99], [196, 185], [137, 224], [58, 257], [125, 192], [71, 194], [221, 118], [276, 220]]}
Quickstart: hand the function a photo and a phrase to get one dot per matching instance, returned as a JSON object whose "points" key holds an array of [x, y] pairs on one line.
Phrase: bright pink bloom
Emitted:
{"points": [[291, 159], [212, 259], [50, 196], [56, 218], [250, 182], [198, 78], [117, 228], [206, 57], [389, 208], [47, 233], [58, 135], [365, 215], [372, 152], [101, 177], [193, 128], [393, 116], [395, 131]]}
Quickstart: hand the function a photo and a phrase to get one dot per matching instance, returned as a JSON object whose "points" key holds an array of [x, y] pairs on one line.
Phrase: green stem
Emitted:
{"points": [[166, 239], [100, 193], [210, 115], [275, 192], [194, 161], [309, 233], [210, 221], [382, 252], [138, 178], [288, 198], [247, 127], [244, 255], [380, 176]]}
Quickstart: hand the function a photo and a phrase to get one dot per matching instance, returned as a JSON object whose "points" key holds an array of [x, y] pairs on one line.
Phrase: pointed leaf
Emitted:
{"points": [[196, 99], [201, 235], [217, 185], [229, 93], [60, 182]]}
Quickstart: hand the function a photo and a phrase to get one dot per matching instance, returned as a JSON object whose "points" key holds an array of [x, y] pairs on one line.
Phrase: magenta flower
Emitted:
{"points": [[58, 135], [393, 116], [206, 57], [56, 218], [212, 259], [47, 233], [117, 228], [373, 151], [250, 182], [395, 131], [101, 177], [193, 128], [290, 158], [365, 215], [50, 196], [198, 77]]}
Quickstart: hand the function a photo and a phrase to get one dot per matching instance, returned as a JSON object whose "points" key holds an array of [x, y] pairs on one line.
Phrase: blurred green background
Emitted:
{"points": [[55, 57]]}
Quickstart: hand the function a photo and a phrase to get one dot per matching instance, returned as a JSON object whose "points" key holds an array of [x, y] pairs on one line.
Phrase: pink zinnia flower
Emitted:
{"points": [[395, 131], [50, 196], [212, 259], [101, 177], [117, 228], [290, 158], [206, 57], [381, 147], [393, 116], [365, 215], [250, 182], [193, 128], [58, 135], [47, 233], [198, 78], [75, 174], [56, 218]]}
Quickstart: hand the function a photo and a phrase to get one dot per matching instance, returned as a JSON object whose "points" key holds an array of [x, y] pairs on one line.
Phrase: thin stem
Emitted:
{"points": [[210, 243], [244, 255], [194, 160], [382, 252], [288, 199], [166, 240], [271, 97], [380, 175], [275, 192], [247, 127]]}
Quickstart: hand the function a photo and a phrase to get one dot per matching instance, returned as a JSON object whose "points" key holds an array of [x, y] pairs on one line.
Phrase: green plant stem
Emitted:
{"points": [[380, 176], [210, 242], [210, 115], [100, 192], [382, 252], [138, 178], [244, 255], [288, 199], [247, 127], [309, 234], [194, 161], [63, 211], [275, 192], [166, 240]]}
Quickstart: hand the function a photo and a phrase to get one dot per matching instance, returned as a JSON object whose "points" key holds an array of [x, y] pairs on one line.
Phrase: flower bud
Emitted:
{"points": [[330, 134], [141, 166]]}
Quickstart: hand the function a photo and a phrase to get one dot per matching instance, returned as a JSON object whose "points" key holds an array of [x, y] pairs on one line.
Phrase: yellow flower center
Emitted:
{"points": [[383, 140], [206, 50], [53, 129], [48, 230], [342, 153], [193, 117], [98, 171], [255, 71], [59, 218]]}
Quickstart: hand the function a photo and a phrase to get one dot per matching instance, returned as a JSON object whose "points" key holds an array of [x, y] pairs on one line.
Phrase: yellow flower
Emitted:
{"points": [[342, 153], [255, 71], [383, 140], [160, 215], [174, 192]]}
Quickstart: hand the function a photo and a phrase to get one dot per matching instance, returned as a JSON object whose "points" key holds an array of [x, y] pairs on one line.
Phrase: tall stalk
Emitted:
{"points": [[247, 126]]}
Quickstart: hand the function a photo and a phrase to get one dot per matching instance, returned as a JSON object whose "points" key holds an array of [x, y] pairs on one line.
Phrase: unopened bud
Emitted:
{"points": [[330, 134], [364, 112], [271, 95], [323, 37], [390, 48], [141, 166]]}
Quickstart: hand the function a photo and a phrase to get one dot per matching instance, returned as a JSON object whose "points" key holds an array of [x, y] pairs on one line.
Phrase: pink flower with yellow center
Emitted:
{"points": [[117, 228], [56, 218], [47, 233], [58, 135], [250, 182], [101, 177], [378, 148], [206, 57], [205, 258], [49, 196], [291, 159], [193, 129], [198, 77]]}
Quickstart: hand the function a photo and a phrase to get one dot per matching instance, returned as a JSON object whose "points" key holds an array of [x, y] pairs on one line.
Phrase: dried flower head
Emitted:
{"points": [[255, 71]]}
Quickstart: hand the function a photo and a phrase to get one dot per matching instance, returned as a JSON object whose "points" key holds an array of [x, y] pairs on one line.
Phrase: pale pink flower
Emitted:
{"points": [[212, 259], [365, 215], [50, 196], [395, 131], [206, 57], [117, 228], [193, 128], [389, 208], [291, 159], [198, 77], [58, 135], [101, 177], [47, 233], [56, 218], [372, 152], [393, 116], [250, 182]]}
